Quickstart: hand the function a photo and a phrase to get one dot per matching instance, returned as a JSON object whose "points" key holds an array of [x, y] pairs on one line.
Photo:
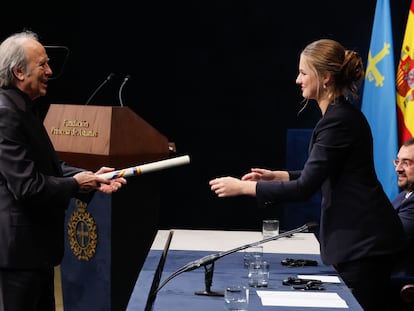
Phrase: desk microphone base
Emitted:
{"points": [[209, 293], [208, 280]]}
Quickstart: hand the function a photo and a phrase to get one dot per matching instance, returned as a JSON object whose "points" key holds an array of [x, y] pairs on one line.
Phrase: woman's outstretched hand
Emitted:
{"points": [[231, 186]]}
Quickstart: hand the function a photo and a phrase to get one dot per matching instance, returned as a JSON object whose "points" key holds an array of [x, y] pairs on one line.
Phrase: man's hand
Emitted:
{"points": [[89, 181]]}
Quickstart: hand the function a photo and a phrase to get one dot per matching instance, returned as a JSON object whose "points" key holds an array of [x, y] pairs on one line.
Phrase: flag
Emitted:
{"points": [[379, 98], [405, 82]]}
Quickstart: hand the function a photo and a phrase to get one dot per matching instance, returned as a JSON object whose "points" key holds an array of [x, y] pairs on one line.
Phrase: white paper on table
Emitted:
{"points": [[301, 299], [322, 278]]}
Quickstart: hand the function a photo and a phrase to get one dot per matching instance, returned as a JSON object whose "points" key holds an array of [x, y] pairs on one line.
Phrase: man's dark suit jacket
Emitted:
{"points": [[35, 188], [405, 210], [357, 219]]}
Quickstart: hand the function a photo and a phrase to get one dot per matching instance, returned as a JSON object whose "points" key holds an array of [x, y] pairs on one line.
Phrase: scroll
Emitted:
{"points": [[147, 168]]}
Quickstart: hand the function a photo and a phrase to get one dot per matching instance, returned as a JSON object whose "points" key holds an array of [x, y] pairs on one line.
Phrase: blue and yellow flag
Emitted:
{"points": [[379, 98]]}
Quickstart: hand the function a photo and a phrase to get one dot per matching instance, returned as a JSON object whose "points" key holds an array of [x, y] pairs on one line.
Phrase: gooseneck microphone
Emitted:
{"points": [[66, 50], [111, 75], [210, 259], [304, 103], [127, 77]]}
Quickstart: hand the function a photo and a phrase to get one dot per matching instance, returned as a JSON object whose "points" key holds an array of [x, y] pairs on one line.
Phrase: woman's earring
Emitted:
{"points": [[324, 86]]}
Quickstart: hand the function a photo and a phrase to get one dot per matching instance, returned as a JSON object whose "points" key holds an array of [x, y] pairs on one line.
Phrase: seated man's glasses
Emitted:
{"points": [[406, 163]]}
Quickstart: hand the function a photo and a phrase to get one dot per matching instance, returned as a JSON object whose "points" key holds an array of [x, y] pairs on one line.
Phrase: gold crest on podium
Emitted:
{"points": [[82, 232]]}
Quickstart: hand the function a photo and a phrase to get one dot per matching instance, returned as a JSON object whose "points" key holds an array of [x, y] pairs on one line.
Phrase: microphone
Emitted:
{"points": [[111, 75], [304, 104], [55, 48], [127, 77], [210, 259]]}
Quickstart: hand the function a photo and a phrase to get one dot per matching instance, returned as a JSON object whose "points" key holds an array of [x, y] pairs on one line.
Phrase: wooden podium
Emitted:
{"points": [[90, 136], [107, 239]]}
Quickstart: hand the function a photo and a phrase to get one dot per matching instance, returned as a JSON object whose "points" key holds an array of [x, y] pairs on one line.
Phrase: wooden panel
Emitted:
{"points": [[92, 136]]}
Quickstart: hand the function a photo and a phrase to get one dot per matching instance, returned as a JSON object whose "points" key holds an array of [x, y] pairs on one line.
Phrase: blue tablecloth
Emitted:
{"points": [[179, 293]]}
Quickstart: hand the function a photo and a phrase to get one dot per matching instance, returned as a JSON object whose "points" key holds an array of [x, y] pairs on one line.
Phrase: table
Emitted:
{"points": [[173, 249]]}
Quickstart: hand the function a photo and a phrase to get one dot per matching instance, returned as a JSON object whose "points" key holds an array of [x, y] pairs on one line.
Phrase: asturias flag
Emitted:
{"points": [[405, 82], [379, 98]]}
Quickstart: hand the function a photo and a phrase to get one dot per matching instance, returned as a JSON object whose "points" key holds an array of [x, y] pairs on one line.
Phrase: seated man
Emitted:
{"points": [[404, 205], [404, 201]]}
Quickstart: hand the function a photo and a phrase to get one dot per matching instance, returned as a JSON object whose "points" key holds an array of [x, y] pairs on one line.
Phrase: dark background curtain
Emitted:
{"points": [[215, 77]]}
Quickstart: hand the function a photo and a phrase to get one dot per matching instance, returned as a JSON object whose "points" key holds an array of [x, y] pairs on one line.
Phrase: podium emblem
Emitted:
{"points": [[82, 232]]}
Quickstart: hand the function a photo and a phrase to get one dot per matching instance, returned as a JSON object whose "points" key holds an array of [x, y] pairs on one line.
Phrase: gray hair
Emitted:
{"points": [[12, 54]]}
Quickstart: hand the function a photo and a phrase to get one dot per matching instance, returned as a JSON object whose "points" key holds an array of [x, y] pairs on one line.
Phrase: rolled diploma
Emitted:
{"points": [[147, 168]]}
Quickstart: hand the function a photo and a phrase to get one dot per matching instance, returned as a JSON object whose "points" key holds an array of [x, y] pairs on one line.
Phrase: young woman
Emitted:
{"points": [[359, 229]]}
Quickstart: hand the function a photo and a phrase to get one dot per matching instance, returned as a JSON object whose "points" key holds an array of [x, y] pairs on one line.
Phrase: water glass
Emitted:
{"points": [[251, 254], [270, 228], [236, 298], [258, 274]]}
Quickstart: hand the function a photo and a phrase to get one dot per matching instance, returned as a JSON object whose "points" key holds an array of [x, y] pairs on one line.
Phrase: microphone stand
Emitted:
{"points": [[66, 57], [127, 77], [208, 261], [111, 75]]}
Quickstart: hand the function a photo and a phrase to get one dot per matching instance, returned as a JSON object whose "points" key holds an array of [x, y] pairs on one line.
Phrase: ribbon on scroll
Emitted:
{"points": [[147, 168]]}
